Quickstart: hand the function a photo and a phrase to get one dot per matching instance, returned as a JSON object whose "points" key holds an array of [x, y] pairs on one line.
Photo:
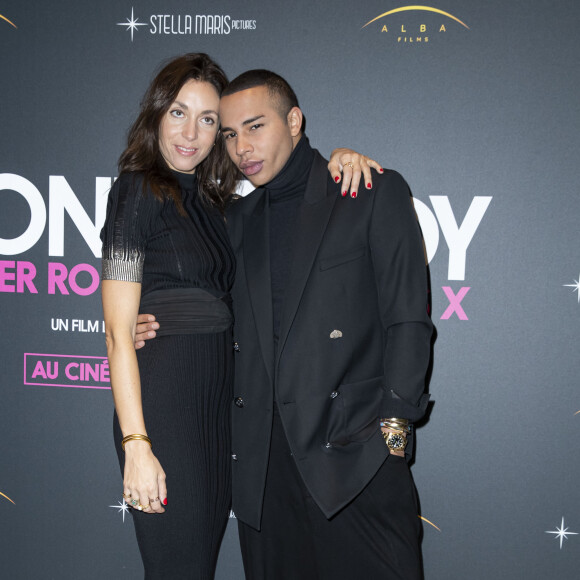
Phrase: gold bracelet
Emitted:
{"points": [[396, 429], [396, 420], [395, 423], [135, 437], [386, 434]]}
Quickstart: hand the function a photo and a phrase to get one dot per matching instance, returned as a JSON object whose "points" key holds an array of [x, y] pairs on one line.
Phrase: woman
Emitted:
{"points": [[166, 251]]}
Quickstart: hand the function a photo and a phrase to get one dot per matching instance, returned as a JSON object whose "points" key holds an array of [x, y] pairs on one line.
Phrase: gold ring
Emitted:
{"points": [[349, 164], [135, 502], [143, 507], [127, 496]]}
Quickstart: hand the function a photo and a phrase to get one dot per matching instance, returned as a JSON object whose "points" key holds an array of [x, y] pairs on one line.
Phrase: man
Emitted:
{"points": [[333, 343]]}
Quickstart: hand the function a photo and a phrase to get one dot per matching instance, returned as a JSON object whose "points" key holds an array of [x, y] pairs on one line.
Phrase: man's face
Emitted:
{"points": [[258, 138]]}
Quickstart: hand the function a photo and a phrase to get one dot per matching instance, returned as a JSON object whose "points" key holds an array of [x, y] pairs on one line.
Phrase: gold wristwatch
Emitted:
{"points": [[396, 441], [396, 436]]}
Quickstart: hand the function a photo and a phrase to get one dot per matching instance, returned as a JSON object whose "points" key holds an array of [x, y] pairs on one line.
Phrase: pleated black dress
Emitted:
{"points": [[186, 267]]}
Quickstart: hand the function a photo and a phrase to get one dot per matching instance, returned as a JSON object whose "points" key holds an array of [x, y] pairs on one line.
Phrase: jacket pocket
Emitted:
{"points": [[361, 403], [337, 260]]}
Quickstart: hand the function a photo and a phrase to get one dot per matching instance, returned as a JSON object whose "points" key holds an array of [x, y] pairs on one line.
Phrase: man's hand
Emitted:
{"points": [[145, 329], [398, 453]]}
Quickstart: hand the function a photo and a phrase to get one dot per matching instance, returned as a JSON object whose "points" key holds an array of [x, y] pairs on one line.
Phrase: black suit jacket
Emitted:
{"points": [[354, 339]]}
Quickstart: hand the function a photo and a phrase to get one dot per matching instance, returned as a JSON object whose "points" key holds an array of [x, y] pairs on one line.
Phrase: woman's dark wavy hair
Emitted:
{"points": [[216, 174]]}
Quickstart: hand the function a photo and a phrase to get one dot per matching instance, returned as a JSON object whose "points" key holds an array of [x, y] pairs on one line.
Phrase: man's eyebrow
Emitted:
{"points": [[246, 122]]}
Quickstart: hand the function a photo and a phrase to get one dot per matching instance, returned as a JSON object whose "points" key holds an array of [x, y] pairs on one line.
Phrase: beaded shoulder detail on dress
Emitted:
{"points": [[127, 226], [128, 269]]}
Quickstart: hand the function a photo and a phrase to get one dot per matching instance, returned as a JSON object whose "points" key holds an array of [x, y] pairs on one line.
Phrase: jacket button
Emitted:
{"points": [[239, 402], [328, 444], [236, 347], [234, 457], [334, 394]]}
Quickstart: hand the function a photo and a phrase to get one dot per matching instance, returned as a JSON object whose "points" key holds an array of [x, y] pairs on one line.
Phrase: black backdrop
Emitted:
{"points": [[475, 102]]}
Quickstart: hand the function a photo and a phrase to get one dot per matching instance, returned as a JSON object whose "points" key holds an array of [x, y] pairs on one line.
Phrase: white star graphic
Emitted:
{"points": [[132, 24], [576, 287], [562, 533], [122, 507]]}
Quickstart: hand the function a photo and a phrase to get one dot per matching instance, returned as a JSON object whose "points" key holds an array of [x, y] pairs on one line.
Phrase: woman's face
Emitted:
{"points": [[189, 127]]}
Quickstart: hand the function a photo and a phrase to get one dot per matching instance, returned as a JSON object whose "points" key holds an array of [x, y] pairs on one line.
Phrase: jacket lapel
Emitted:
{"points": [[256, 250], [310, 227]]}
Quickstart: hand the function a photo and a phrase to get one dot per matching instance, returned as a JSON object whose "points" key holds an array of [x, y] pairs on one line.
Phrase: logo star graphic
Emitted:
{"points": [[3, 495], [132, 24], [562, 533], [6, 19], [122, 507], [576, 287]]}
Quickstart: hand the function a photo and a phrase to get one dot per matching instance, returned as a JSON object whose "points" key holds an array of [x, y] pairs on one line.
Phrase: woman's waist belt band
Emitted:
{"points": [[187, 311]]}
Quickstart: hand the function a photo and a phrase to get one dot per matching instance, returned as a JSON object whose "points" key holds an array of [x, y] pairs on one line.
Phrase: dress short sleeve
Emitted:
{"points": [[127, 228]]}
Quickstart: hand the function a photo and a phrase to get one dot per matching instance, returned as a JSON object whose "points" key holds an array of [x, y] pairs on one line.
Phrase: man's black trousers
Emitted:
{"points": [[376, 536]]}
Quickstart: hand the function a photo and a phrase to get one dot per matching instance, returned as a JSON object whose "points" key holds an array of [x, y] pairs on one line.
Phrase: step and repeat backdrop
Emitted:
{"points": [[475, 102]]}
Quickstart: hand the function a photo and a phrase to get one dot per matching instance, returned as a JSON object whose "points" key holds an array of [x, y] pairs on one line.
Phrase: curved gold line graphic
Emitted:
{"points": [[426, 8], [430, 523], [6, 497], [4, 18]]}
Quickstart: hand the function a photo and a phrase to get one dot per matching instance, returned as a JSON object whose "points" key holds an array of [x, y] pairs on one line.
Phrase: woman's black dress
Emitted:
{"points": [[186, 267]]}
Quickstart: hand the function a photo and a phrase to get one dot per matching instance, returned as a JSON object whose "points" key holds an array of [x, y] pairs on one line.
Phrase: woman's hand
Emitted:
{"points": [[144, 480], [145, 329], [352, 165]]}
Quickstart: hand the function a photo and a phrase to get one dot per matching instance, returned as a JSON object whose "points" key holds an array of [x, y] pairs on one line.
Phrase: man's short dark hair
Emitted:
{"points": [[278, 88]]}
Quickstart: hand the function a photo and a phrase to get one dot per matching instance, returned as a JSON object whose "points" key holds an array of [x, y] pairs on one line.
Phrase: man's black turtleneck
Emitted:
{"points": [[286, 192]]}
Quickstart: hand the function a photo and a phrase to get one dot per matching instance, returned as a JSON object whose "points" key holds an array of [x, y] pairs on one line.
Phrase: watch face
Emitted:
{"points": [[396, 441]]}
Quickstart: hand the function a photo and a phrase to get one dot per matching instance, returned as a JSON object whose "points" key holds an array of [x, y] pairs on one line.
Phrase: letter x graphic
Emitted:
{"points": [[455, 302]]}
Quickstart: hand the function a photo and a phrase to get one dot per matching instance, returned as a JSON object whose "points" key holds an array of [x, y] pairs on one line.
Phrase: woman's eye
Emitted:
{"points": [[208, 120], [177, 113]]}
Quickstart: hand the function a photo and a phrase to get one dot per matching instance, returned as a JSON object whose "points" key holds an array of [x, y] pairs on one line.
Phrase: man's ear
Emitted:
{"points": [[295, 121]]}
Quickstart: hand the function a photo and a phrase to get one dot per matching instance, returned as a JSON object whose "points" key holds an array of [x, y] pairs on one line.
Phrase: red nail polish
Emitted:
{"points": [[381, 170], [337, 179], [369, 185], [344, 193], [165, 501], [353, 194]]}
